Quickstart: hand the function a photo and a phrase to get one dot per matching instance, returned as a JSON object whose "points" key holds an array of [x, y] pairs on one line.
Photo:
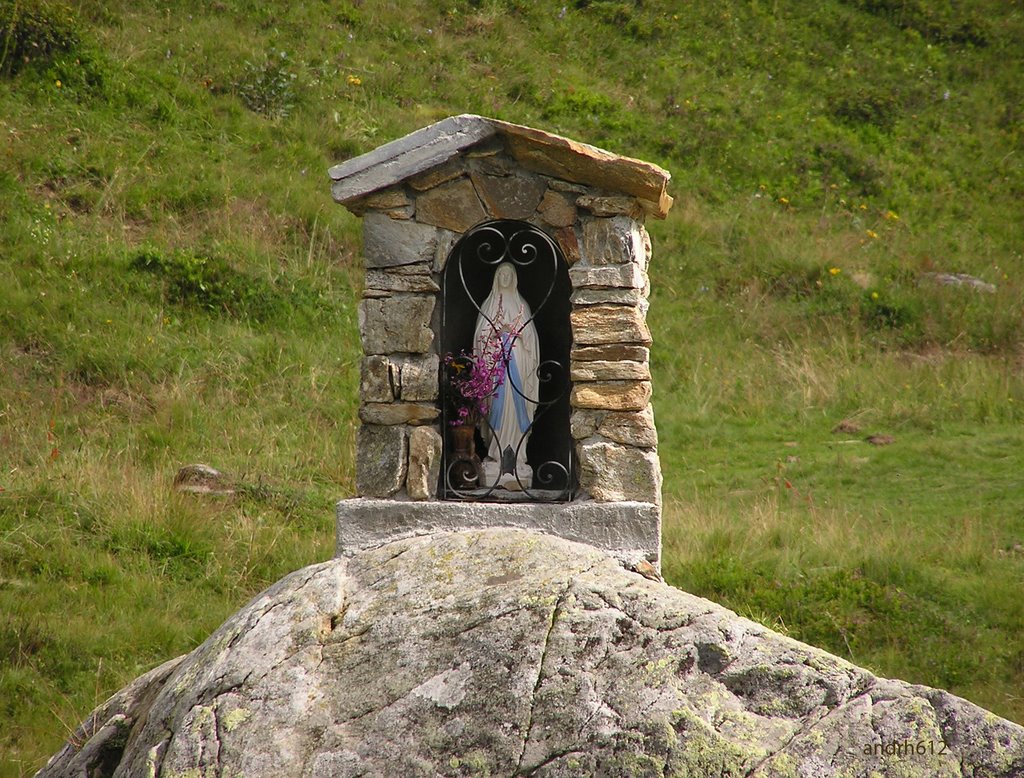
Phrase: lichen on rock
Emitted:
{"points": [[505, 652]]}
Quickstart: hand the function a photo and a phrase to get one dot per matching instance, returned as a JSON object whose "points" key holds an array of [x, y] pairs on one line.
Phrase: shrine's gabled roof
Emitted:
{"points": [[534, 150]]}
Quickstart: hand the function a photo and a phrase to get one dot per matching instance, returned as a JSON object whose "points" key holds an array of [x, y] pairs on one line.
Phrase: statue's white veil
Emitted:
{"points": [[506, 311]]}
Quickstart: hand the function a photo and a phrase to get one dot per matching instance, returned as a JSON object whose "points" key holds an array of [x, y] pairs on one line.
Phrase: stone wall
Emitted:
{"points": [[409, 230]]}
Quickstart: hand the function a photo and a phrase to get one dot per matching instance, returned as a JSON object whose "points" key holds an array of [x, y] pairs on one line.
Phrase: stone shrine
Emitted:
{"points": [[561, 436]]}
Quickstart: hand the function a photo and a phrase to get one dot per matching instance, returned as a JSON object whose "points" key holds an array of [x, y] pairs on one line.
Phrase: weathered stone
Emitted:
{"points": [[385, 379], [612, 242], [557, 209], [381, 460], [612, 395], [645, 236], [566, 186], [452, 206], [583, 422], [397, 413], [437, 176], [610, 352], [493, 165], [610, 371], [389, 242], [418, 377], [377, 381], [202, 479], [611, 206], [610, 472], [385, 199], [396, 324], [627, 276], [609, 297], [415, 269], [517, 653], [596, 324], [381, 281], [487, 148], [570, 246], [424, 463], [400, 213], [630, 429], [445, 243], [510, 196]]}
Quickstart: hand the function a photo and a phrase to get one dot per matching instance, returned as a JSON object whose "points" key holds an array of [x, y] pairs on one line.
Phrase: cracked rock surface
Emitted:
{"points": [[504, 652]]}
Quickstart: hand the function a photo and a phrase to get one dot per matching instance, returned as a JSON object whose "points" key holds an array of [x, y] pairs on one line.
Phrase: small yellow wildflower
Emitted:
{"points": [[872, 234], [874, 295], [862, 207], [834, 271], [57, 83], [354, 80], [784, 200], [891, 216]]}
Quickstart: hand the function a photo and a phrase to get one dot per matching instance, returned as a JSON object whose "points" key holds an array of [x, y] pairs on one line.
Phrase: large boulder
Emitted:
{"points": [[503, 652]]}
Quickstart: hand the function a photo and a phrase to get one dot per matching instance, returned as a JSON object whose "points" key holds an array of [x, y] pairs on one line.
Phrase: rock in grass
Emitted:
{"points": [[202, 479], [503, 652], [880, 440]]}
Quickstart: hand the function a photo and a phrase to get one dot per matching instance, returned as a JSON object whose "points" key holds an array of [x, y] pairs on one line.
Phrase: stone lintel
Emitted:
{"points": [[630, 531]]}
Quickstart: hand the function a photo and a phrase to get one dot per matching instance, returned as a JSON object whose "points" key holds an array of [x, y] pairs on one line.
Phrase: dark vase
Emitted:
{"points": [[464, 470]]}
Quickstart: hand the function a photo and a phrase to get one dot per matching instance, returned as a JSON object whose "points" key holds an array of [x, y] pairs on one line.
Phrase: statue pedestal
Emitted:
{"points": [[522, 478], [629, 531]]}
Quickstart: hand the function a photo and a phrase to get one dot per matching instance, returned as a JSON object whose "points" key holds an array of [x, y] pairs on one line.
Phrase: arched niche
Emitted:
{"points": [[543, 282]]}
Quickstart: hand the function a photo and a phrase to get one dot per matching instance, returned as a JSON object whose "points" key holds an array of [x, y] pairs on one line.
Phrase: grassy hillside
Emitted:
{"points": [[178, 287]]}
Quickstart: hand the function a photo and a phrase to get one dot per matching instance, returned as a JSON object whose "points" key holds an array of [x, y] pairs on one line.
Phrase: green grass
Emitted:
{"points": [[178, 287]]}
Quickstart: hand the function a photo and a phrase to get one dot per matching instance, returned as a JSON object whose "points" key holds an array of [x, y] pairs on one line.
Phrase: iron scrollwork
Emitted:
{"points": [[505, 331]]}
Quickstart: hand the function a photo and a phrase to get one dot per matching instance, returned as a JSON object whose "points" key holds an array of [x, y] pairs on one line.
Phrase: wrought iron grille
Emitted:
{"points": [[505, 374]]}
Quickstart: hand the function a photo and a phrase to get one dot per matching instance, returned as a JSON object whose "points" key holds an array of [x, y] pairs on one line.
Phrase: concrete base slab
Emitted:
{"points": [[629, 531]]}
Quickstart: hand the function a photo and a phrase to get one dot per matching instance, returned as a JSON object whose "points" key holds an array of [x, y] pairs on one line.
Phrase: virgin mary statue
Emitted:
{"points": [[505, 331]]}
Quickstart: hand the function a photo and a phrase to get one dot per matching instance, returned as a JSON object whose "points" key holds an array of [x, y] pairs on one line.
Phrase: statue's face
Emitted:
{"points": [[505, 277]]}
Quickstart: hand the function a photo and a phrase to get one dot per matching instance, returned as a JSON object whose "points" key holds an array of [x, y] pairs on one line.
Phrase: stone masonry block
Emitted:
{"points": [[381, 460], [389, 242], [610, 352], [398, 413], [396, 324], [625, 276], [377, 380], [628, 428], [558, 209], [613, 241], [424, 463], [610, 472], [510, 196], [598, 324], [620, 370], [452, 206], [612, 395]]}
